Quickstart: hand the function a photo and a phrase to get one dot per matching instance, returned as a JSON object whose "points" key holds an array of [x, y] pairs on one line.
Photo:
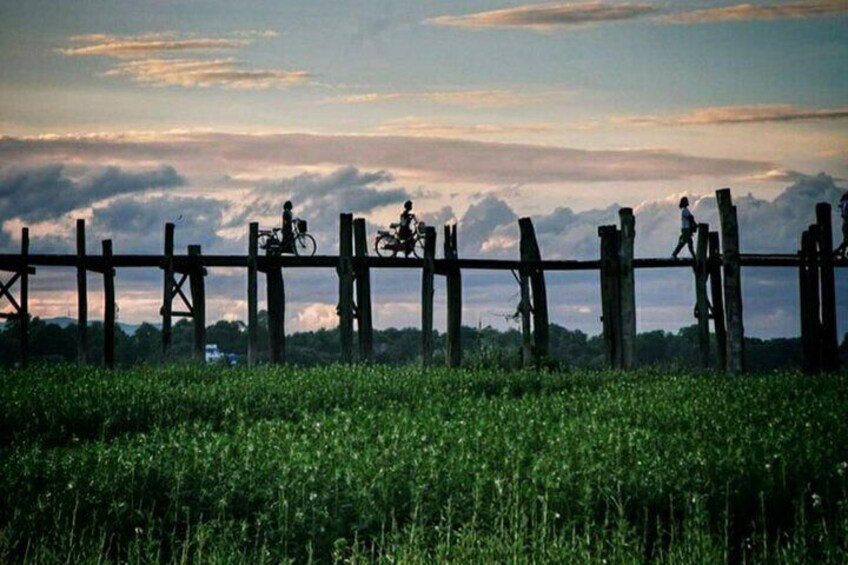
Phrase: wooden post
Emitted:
{"points": [[198, 303], [276, 291], [610, 295], [24, 305], [829, 338], [252, 299], [427, 291], [364, 323], [82, 296], [168, 291], [453, 353], [627, 288], [702, 312], [732, 282], [345, 272], [531, 253], [716, 293], [108, 306], [808, 283], [525, 308]]}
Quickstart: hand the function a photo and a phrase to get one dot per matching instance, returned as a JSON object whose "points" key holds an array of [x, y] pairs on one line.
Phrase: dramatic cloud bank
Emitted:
{"points": [[740, 115], [748, 12], [544, 17], [47, 193], [442, 159]]}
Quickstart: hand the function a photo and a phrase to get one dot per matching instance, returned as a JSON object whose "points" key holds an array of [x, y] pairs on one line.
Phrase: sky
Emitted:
{"points": [[211, 114]]}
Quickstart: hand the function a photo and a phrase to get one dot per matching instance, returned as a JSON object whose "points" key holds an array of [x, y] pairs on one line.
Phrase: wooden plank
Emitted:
{"points": [[252, 299], [808, 279], [109, 310], [198, 301], [610, 294], [541, 329], [525, 309], [427, 291], [453, 284], [732, 282], [24, 296], [627, 287], [82, 296], [345, 272], [364, 323], [167, 292], [702, 312], [717, 298], [276, 295], [829, 339]]}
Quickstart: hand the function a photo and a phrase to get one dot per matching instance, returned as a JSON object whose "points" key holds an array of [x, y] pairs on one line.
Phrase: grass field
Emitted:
{"points": [[373, 464]]}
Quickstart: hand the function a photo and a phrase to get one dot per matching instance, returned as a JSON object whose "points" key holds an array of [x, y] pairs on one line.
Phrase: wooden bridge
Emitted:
{"points": [[717, 274]]}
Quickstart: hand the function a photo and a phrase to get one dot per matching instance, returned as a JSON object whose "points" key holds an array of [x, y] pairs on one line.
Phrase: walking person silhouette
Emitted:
{"points": [[687, 229]]}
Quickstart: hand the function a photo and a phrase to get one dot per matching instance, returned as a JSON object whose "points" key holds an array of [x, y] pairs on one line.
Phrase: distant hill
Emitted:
{"points": [[65, 321]]}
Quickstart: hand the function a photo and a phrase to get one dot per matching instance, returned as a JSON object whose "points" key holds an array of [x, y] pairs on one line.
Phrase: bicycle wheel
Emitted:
{"points": [[386, 246], [304, 245], [266, 242], [418, 248]]}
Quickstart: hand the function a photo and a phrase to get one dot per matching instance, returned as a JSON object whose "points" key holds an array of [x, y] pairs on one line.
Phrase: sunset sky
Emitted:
{"points": [[213, 113]]}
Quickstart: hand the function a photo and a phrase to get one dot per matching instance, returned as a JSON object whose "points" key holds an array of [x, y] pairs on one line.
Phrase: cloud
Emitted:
{"points": [[437, 158], [205, 73], [722, 115], [132, 47], [546, 17], [426, 128], [45, 193], [748, 12], [467, 98]]}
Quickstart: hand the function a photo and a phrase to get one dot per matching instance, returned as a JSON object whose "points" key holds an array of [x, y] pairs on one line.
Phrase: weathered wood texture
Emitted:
{"points": [[702, 310], [717, 298], [276, 299], [530, 252], [732, 282], [829, 338], [808, 285], [109, 309], [427, 291], [24, 298], [610, 295], [453, 283], [197, 285], [167, 291], [364, 320], [627, 287], [82, 296], [252, 298], [345, 273]]}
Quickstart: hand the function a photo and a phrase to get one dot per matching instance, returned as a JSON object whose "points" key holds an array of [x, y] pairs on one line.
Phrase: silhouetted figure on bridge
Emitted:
{"points": [[288, 228], [687, 229]]}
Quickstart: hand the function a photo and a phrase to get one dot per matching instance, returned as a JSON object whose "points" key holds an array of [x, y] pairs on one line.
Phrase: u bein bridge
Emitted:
{"points": [[717, 273]]}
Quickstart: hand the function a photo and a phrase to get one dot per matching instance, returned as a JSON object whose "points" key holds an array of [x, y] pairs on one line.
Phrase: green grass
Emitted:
{"points": [[373, 464]]}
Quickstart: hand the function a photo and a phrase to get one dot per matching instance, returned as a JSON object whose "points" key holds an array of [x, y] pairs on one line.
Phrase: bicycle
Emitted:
{"points": [[301, 244], [388, 243]]}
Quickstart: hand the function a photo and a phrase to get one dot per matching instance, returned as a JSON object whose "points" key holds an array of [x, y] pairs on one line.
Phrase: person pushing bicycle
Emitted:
{"points": [[288, 228], [405, 227]]}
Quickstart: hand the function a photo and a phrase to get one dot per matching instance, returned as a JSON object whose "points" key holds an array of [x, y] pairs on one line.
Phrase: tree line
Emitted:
{"points": [[482, 347]]}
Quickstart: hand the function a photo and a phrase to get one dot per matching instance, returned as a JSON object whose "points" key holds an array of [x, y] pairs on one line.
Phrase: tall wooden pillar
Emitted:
{"points": [[364, 323], [24, 305], [345, 272], [627, 287], [198, 301], [167, 291], [701, 303], [808, 285], [829, 338], [531, 254], [732, 282], [276, 293], [611, 295], [716, 294], [427, 291], [252, 298], [108, 306], [82, 296], [453, 353], [524, 309]]}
